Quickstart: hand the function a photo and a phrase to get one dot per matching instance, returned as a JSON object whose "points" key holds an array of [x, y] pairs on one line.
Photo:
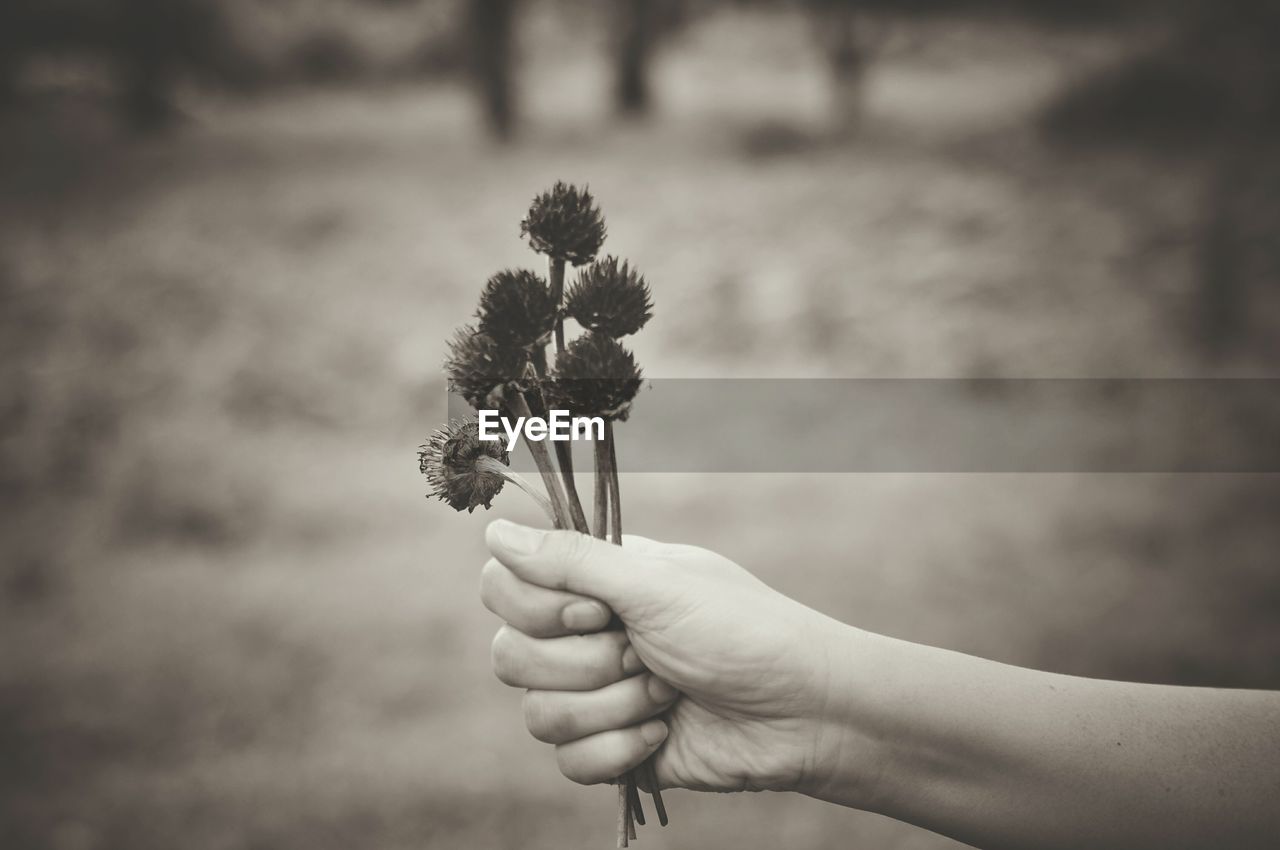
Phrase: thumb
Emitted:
{"points": [[569, 560]]}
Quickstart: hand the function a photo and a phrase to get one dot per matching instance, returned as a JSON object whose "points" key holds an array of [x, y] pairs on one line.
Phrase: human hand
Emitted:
{"points": [[751, 690], [738, 675]]}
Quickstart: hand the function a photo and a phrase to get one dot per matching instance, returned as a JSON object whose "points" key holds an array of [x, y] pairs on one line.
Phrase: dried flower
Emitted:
{"points": [[595, 376], [461, 468], [482, 370], [516, 309], [565, 224], [502, 363], [610, 297]]}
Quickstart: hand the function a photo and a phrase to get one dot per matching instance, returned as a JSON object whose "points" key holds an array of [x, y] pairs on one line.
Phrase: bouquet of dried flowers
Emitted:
{"points": [[501, 363]]}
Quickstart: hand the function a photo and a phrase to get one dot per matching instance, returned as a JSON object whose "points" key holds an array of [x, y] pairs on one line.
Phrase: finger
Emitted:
{"points": [[574, 663], [537, 611], [568, 560], [557, 717], [601, 757]]}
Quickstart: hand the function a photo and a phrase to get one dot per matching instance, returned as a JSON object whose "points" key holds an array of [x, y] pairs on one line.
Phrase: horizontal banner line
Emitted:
{"points": [[945, 425]]}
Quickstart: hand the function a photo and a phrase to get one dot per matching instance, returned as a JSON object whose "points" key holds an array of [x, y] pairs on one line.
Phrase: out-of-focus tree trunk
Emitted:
{"points": [[1240, 217], [1222, 287], [836, 27], [635, 23], [11, 25], [147, 99], [149, 36], [8, 74], [491, 48]]}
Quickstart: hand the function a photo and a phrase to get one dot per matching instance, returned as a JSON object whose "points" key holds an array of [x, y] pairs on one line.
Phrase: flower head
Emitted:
{"points": [[565, 224], [460, 466], [610, 297], [482, 370], [516, 309], [595, 376]]}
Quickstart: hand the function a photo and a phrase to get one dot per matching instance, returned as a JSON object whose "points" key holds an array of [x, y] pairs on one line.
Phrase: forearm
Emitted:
{"points": [[1002, 756]]}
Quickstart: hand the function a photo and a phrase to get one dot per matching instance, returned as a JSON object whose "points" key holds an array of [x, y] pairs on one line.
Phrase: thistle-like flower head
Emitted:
{"points": [[482, 370], [610, 297], [565, 224], [453, 460], [516, 309], [595, 376]]}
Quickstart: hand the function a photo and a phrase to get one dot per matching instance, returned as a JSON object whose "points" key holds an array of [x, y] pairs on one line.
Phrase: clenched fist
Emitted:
{"points": [[722, 675]]}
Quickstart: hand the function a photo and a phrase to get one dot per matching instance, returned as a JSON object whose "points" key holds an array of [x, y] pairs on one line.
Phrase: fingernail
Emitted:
{"points": [[584, 616], [631, 662], [660, 691], [654, 732], [518, 539]]}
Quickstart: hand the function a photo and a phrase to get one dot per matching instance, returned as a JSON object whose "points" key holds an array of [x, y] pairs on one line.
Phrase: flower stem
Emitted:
{"points": [[601, 531], [637, 810], [491, 465], [602, 490], [615, 507], [555, 274], [624, 809], [538, 356], [543, 460], [651, 776], [564, 453], [626, 782], [538, 404], [615, 498]]}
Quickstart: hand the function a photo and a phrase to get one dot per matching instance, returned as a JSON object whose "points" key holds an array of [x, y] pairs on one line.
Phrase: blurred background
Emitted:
{"points": [[236, 234]]}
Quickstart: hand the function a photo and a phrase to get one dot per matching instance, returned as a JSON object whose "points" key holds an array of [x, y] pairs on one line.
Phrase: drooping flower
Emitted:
{"points": [[565, 224], [610, 297], [462, 469], [482, 370], [516, 309], [595, 376]]}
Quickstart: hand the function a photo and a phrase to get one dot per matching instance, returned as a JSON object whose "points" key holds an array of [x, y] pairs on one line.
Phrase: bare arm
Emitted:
{"points": [[731, 686], [1005, 757]]}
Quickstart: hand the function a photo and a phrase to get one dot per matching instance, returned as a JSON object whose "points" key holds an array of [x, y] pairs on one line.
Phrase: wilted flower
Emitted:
{"points": [[462, 469], [516, 309], [565, 224], [610, 297], [502, 364], [595, 376], [481, 370]]}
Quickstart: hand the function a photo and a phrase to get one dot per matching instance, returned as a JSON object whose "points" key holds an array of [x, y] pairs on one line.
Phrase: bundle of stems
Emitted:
{"points": [[502, 363], [608, 525]]}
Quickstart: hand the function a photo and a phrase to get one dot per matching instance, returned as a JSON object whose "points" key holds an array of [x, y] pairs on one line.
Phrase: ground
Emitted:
{"points": [[232, 619]]}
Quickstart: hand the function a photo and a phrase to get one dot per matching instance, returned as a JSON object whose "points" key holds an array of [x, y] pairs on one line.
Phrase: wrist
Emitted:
{"points": [[851, 747]]}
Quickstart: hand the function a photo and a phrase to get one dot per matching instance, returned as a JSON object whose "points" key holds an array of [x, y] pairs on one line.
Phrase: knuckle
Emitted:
{"points": [[534, 710], [602, 664], [503, 658], [535, 618], [573, 767], [534, 625], [614, 665], [490, 580], [535, 716], [544, 720]]}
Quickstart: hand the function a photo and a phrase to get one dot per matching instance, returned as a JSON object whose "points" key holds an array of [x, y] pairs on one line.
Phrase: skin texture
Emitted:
{"points": [[737, 687]]}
